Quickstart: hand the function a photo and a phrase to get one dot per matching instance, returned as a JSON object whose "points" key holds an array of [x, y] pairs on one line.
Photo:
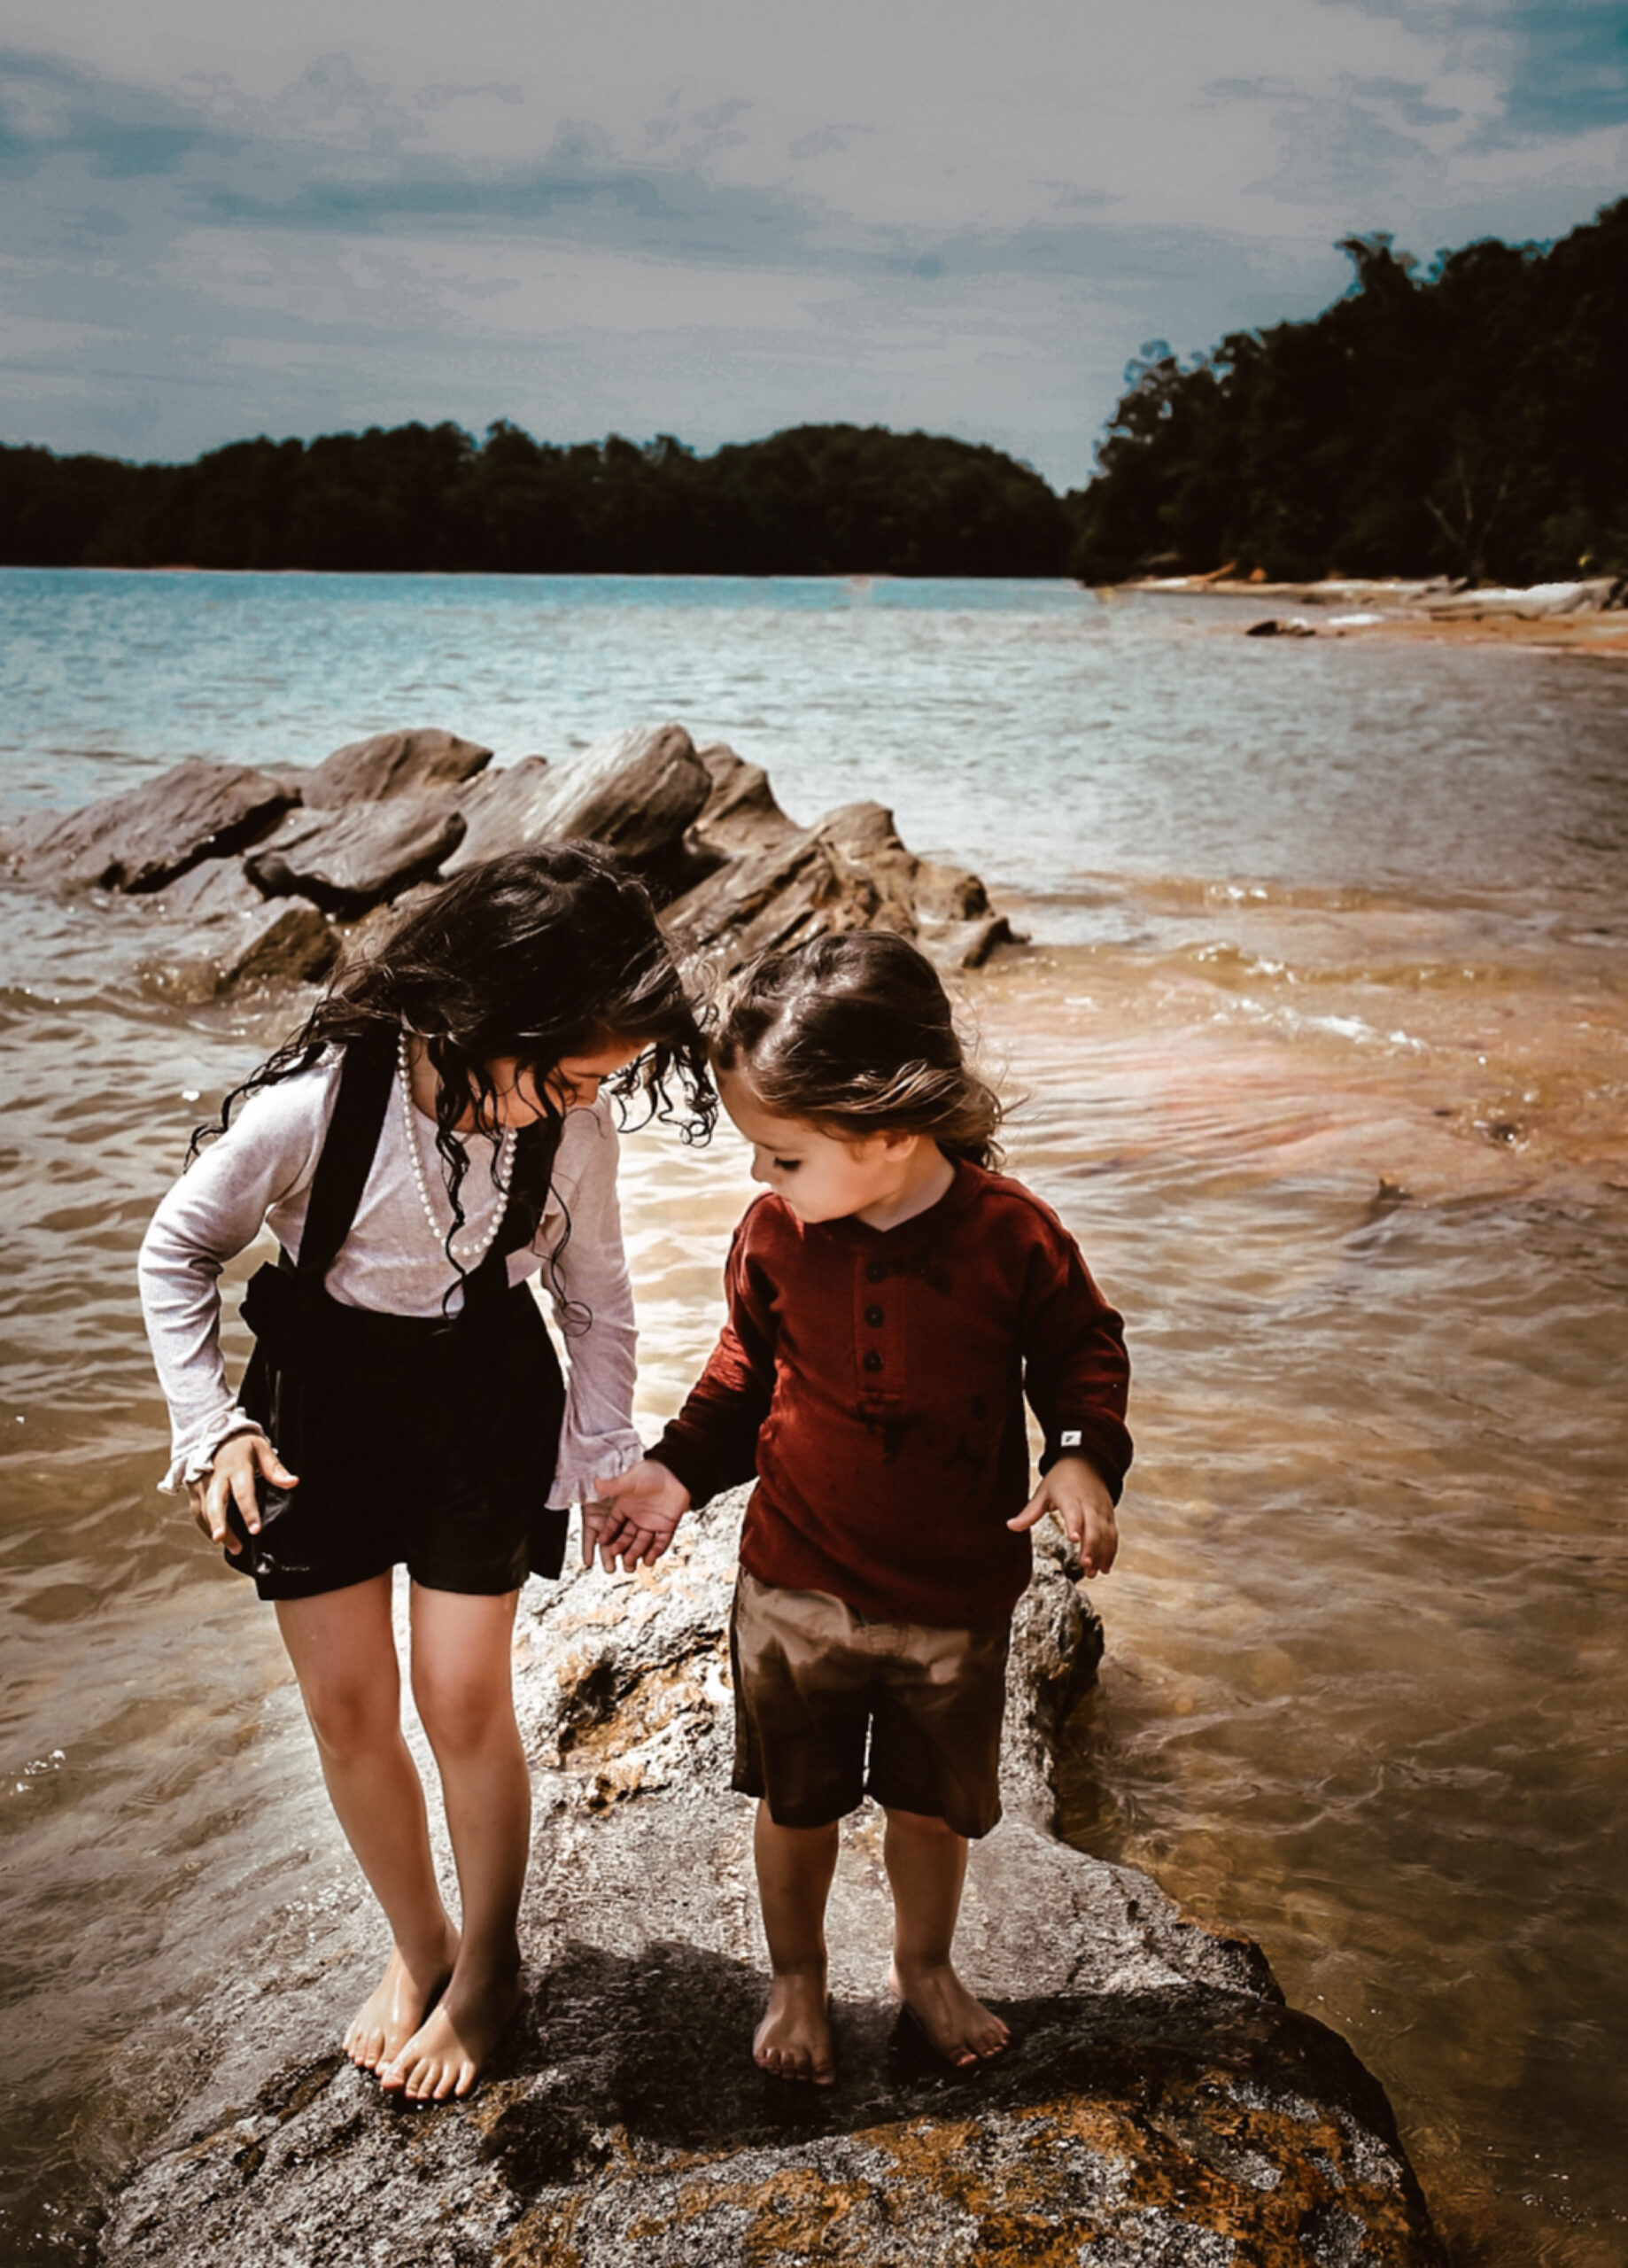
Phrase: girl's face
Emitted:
{"points": [[823, 1177], [573, 1083]]}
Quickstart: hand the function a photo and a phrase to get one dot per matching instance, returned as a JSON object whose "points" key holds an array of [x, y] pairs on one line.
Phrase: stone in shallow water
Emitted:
{"points": [[390, 764], [635, 791], [146, 837], [346, 861]]}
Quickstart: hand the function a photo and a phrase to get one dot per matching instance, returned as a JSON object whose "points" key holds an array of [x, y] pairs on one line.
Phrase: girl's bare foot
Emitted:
{"points": [[445, 2056], [793, 2040], [396, 2007], [962, 2030]]}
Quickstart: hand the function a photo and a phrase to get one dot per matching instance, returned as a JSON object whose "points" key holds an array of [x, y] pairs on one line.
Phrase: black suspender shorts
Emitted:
{"points": [[425, 1443]]}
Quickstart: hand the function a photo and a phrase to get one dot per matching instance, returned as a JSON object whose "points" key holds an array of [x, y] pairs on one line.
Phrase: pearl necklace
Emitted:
{"points": [[473, 1255]]}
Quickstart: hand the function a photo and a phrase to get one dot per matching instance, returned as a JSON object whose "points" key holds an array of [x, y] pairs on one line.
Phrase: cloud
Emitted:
{"points": [[951, 214], [1560, 67]]}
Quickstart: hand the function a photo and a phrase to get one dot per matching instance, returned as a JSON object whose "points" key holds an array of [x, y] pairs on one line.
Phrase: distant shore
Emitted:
{"points": [[1587, 616]]}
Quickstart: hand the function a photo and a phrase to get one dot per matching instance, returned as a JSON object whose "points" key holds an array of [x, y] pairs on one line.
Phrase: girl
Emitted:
{"points": [[438, 1131], [891, 1301]]}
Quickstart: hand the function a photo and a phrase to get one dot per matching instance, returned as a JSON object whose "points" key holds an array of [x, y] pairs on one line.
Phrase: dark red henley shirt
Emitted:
{"points": [[873, 1381]]}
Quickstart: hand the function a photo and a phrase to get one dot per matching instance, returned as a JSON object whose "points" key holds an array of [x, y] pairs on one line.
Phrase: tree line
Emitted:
{"points": [[1466, 420], [1463, 420], [815, 501]]}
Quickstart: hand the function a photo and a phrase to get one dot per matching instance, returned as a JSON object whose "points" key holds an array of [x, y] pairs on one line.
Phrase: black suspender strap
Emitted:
{"points": [[352, 1140], [365, 1081]]}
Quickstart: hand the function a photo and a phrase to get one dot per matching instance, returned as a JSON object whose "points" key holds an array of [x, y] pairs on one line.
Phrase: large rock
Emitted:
{"points": [[346, 861], [635, 791], [393, 764], [776, 885], [274, 942], [1159, 2103], [143, 839]]}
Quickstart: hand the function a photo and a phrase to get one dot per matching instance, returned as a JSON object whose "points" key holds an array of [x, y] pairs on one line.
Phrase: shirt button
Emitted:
{"points": [[873, 1361], [876, 1272], [873, 1316]]}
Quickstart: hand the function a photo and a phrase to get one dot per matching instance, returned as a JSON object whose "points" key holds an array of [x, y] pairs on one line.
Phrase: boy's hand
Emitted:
{"points": [[233, 1471], [1077, 1493], [631, 1520]]}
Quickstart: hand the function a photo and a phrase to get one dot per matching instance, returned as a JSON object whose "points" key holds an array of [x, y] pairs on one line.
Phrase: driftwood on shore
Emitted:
{"points": [[258, 875], [1158, 2105]]}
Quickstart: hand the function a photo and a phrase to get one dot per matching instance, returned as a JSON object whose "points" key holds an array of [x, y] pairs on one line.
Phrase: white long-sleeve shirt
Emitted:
{"points": [[259, 1173]]}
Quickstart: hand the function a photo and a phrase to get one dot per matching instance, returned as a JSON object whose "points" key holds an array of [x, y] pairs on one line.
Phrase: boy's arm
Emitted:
{"points": [[709, 1447], [1077, 1379]]}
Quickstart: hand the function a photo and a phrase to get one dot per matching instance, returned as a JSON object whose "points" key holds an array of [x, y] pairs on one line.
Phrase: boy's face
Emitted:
{"points": [[821, 1177]]}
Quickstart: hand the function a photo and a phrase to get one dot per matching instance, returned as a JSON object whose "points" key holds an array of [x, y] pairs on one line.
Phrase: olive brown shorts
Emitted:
{"points": [[831, 1706]]}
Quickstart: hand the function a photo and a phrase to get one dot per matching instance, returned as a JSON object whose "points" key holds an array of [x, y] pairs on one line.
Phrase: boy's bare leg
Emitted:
{"points": [[344, 1652], [795, 1867], [926, 1866], [463, 1685]]}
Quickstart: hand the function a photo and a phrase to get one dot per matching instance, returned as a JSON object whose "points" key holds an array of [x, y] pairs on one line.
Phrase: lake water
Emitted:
{"points": [[1320, 1042]]}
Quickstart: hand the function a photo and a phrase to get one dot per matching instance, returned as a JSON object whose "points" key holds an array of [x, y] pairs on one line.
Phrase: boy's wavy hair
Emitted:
{"points": [[855, 1034], [540, 955]]}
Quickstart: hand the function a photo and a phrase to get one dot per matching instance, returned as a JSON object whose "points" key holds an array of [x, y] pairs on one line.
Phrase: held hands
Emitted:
{"points": [[631, 1520], [237, 1465], [1077, 1493]]}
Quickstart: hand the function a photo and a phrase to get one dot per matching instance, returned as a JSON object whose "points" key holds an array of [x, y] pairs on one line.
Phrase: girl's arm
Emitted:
{"points": [[215, 1211], [593, 1302]]}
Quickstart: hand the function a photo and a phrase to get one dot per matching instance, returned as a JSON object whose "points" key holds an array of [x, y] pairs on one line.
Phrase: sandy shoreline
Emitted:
{"points": [[1553, 618]]}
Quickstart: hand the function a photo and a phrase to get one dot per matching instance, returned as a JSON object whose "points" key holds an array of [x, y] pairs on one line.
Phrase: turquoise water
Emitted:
{"points": [[1307, 919]]}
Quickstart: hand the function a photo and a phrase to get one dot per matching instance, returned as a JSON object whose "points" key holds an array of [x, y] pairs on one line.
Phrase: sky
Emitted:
{"points": [[718, 218]]}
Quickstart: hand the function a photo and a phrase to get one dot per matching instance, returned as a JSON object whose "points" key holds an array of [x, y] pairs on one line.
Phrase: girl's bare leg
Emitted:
{"points": [[463, 1686], [344, 1652], [795, 1867], [926, 1866]]}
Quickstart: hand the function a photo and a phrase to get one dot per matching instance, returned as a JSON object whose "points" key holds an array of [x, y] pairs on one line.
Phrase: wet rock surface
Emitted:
{"points": [[141, 840], [1159, 2104], [348, 861], [636, 792], [732, 873], [389, 765]]}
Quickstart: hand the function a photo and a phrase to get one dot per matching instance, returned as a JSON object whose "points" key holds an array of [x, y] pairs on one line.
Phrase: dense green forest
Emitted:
{"points": [[819, 500], [1464, 419], [1469, 421]]}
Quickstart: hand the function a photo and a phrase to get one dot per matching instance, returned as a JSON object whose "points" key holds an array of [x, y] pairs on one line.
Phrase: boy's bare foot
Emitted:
{"points": [[396, 2007], [445, 2056], [962, 2030], [793, 2040]]}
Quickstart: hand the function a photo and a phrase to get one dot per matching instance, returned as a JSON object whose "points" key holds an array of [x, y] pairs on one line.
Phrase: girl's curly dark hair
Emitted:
{"points": [[539, 955]]}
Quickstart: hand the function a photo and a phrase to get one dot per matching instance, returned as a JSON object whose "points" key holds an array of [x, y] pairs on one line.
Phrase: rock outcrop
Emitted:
{"points": [[389, 765], [1159, 2103], [732, 874], [348, 861], [767, 883], [146, 837], [636, 792]]}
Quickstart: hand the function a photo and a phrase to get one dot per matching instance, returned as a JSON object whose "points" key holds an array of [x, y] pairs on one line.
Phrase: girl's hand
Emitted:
{"points": [[235, 1467], [1077, 1493], [631, 1520]]}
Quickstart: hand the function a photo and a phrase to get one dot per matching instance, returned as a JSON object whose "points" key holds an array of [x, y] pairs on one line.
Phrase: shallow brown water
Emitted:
{"points": [[1334, 1099]]}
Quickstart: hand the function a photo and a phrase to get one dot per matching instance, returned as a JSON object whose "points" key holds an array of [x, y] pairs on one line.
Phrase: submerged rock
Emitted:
{"points": [[146, 837], [1159, 2103]]}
